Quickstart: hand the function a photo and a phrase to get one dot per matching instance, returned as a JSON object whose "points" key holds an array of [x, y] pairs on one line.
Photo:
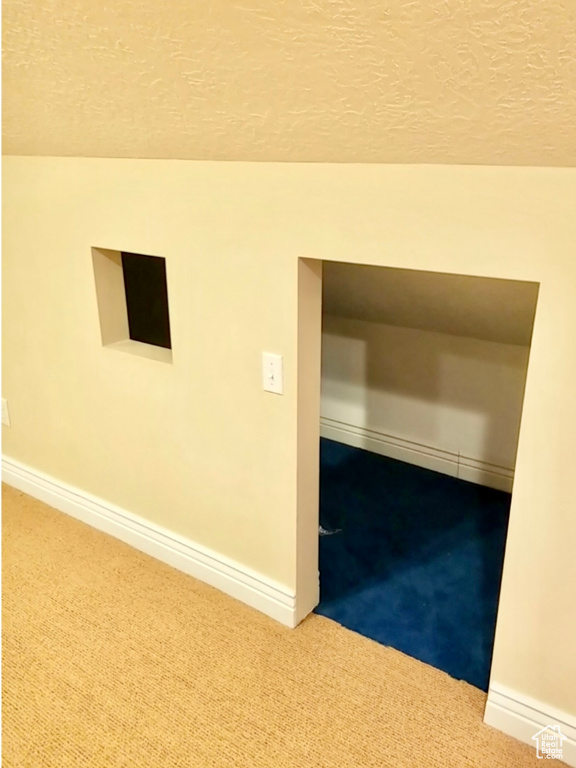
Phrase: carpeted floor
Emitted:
{"points": [[417, 561], [114, 659]]}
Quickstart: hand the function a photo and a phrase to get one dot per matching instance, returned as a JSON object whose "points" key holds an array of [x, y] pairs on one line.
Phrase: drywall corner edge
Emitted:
{"points": [[230, 577], [522, 717], [309, 340]]}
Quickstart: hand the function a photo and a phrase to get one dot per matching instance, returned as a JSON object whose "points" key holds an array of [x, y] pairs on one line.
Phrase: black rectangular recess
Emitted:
{"points": [[147, 298]]}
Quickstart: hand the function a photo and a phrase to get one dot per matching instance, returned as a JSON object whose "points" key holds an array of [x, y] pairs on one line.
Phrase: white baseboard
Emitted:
{"points": [[447, 462], [230, 577], [522, 717]]}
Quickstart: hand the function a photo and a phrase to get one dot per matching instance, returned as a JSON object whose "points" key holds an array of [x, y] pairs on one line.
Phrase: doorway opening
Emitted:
{"points": [[422, 384]]}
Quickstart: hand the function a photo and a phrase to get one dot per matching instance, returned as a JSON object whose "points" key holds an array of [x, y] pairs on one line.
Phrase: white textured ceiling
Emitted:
{"points": [[396, 81], [477, 307]]}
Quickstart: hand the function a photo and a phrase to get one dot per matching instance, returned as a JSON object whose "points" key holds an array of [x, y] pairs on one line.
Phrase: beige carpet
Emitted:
{"points": [[113, 659]]}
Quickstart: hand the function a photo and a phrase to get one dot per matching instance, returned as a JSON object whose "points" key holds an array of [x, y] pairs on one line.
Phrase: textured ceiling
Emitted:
{"points": [[396, 81], [478, 307]]}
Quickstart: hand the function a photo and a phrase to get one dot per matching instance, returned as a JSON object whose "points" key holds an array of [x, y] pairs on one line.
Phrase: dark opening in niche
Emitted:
{"points": [[147, 299]]}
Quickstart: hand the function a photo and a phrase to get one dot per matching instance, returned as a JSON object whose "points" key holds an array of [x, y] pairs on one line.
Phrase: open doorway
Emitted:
{"points": [[423, 379]]}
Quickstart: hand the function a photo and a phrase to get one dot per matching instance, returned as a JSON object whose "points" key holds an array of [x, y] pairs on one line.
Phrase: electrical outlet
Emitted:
{"points": [[5, 414], [272, 377]]}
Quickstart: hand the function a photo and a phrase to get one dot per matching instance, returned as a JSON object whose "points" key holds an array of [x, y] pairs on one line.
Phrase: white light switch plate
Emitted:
{"points": [[272, 374], [5, 414]]}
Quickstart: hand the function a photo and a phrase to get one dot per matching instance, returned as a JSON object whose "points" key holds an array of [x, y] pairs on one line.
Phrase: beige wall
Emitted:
{"points": [[450, 403], [196, 445], [425, 81], [458, 305]]}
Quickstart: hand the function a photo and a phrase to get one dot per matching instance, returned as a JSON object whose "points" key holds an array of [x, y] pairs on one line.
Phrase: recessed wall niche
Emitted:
{"points": [[132, 296]]}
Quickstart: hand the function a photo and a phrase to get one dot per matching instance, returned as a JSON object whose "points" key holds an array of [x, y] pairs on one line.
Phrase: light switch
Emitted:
{"points": [[272, 378]]}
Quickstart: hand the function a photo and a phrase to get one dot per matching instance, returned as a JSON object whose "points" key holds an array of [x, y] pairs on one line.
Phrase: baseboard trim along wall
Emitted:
{"points": [[522, 717], [232, 578], [447, 462]]}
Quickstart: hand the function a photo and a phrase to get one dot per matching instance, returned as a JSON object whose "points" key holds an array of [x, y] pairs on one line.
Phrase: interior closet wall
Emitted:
{"points": [[449, 403], [427, 367]]}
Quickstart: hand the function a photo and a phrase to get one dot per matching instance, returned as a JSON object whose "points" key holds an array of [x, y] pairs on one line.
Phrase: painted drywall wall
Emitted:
{"points": [[450, 403], [197, 446], [425, 81], [458, 305]]}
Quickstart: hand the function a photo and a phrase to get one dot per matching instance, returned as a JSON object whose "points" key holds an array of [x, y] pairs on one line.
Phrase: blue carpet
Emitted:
{"points": [[417, 562]]}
